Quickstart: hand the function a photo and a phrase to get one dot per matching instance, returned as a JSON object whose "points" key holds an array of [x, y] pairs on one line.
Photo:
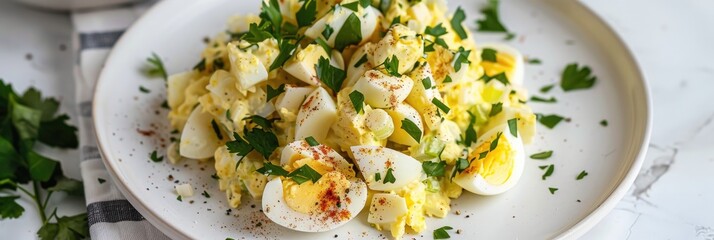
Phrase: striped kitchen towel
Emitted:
{"points": [[109, 214]]}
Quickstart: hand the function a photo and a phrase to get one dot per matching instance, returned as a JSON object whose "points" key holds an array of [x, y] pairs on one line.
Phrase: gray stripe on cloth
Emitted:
{"points": [[99, 39], [112, 211], [90, 152], [85, 109]]}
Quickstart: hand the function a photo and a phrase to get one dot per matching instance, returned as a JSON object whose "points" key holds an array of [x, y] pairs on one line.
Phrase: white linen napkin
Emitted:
{"points": [[110, 215]]}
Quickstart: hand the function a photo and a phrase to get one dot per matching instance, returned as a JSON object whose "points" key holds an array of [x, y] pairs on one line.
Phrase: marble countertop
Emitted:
{"points": [[672, 198]]}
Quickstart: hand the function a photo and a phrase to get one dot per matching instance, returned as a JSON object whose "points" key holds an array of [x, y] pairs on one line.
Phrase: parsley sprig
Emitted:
{"points": [[25, 120], [492, 21]]}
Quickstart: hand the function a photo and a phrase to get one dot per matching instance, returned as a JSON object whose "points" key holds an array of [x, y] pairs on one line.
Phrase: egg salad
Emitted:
{"points": [[324, 109]]}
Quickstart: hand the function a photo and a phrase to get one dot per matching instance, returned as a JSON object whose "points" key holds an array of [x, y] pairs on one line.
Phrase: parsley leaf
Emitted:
{"points": [[552, 190], [154, 156], [461, 57], [260, 121], [534, 61], [361, 61], [271, 169], [603, 123], [436, 31], [491, 22], [354, 6], [144, 90], [327, 32], [377, 177], [357, 99], [274, 92], [256, 33], [470, 134], [286, 50], [57, 133], [330, 75], [33, 99], [216, 129], [389, 177], [307, 13], [384, 5], [434, 169], [489, 55], [9, 208], [575, 78], [157, 67], [494, 143], [447, 79], [270, 12], [205, 194], [239, 146], [496, 108], [412, 129], [548, 171], [265, 142], [542, 155], [456, 20], [311, 141], [547, 88], [501, 77], [440, 105], [543, 100], [440, 233], [513, 126], [549, 120], [391, 65], [581, 175], [350, 33], [303, 174], [461, 164], [41, 168], [426, 82], [73, 227]]}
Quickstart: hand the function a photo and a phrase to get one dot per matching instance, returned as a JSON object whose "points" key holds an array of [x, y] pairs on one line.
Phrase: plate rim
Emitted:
{"points": [[574, 231]]}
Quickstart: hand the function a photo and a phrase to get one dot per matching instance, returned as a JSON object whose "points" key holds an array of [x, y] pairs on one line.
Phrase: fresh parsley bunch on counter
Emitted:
{"points": [[25, 121]]}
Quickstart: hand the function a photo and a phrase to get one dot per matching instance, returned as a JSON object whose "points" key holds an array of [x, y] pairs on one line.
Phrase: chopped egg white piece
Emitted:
{"points": [[184, 190]]}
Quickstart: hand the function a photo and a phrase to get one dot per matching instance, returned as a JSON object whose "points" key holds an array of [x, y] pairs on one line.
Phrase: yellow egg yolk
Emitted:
{"points": [[504, 63], [326, 196], [496, 167]]}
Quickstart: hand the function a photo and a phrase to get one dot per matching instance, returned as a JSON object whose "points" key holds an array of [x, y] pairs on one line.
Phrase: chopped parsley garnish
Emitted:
{"points": [[265, 142], [543, 100], [239, 146], [205, 194], [492, 21], [218, 63], [272, 169], [270, 13], [513, 126], [501, 77], [440, 233], [447, 79], [165, 104], [470, 134], [101, 180], [215, 176], [327, 32], [462, 56], [411, 129], [9, 208], [396, 20], [548, 171], [307, 13], [350, 33], [603, 123], [482, 155], [549, 120], [200, 66], [461, 164], [389, 177], [260, 121], [547, 88], [436, 31], [304, 174], [391, 65], [179, 198], [533, 61], [216, 129], [324, 45], [581, 175], [456, 21], [157, 67], [384, 5], [440, 105], [311, 141], [377, 177], [494, 143], [256, 34], [154, 156], [144, 90], [489, 55], [361, 61], [575, 78], [552, 190], [434, 169], [287, 48], [330, 75], [496, 108], [426, 82], [357, 99], [542, 155], [354, 6], [273, 92]]}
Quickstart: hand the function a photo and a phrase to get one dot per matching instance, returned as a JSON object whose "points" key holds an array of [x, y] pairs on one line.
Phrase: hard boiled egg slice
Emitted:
{"points": [[302, 65], [386, 208], [508, 60], [358, 64], [247, 68], [368, 17], [500, 169], [400, 42], [399, 113], [383, 91], [314, 207], [316, 114], [292, 98], [198, 140], [324, 154], [375, 163]]}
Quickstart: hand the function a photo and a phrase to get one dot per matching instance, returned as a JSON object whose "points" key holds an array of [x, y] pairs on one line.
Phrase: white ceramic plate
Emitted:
{"points": [[556, 31]]}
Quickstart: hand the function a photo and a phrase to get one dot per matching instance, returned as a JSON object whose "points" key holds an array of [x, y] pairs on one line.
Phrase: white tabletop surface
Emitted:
{"points": [[673, 197]]}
